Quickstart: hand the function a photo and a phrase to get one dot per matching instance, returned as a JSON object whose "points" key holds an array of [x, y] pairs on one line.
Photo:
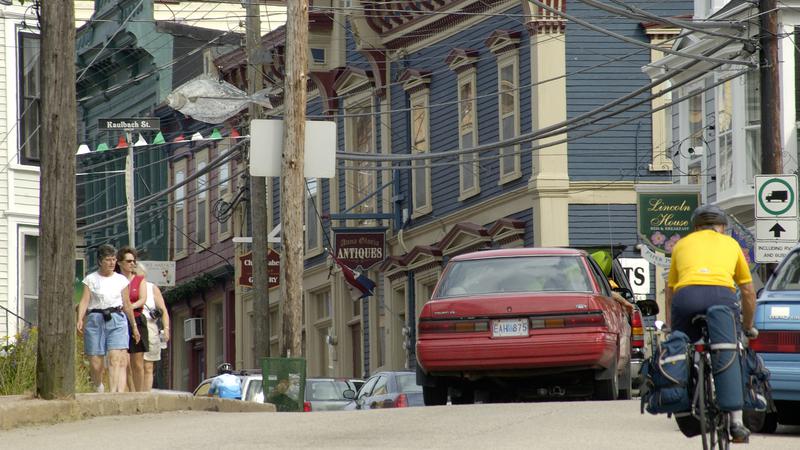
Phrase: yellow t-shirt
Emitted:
{"points": [[706, 257]]}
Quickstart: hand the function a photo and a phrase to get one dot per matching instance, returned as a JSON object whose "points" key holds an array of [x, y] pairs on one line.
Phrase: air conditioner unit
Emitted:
{"points": [[192, 329]]}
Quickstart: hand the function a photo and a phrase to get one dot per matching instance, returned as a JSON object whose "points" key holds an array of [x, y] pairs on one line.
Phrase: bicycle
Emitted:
{"points": [[714, 423]]}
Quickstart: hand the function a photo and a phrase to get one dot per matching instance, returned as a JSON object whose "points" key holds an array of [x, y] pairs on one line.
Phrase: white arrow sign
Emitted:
{"points": [[777, 230]]}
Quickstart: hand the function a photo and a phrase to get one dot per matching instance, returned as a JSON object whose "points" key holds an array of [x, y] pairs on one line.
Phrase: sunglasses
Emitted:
{"points": [[129, 261]]}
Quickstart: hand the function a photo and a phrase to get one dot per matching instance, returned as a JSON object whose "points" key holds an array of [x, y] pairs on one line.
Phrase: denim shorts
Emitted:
{"points": [[100, 336]]}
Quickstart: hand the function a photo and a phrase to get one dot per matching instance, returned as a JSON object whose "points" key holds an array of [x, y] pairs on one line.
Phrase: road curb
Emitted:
{"points": [[18, 411]]}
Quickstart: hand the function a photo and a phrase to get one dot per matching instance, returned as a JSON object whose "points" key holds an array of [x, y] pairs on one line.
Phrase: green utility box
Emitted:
{"points": [[284, 382]]}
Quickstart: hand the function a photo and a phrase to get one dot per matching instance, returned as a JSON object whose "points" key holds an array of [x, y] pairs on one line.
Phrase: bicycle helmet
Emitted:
{"points": [[709, 215], [224, 368]]}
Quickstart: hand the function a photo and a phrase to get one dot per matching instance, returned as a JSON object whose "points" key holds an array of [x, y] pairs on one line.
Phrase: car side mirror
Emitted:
{"points": [[648, 307], [759, 291], [349, 394]]}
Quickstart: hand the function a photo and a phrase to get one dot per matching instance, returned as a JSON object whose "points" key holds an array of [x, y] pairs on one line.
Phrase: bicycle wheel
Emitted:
{"points": [[723, 435], [702, 407]]}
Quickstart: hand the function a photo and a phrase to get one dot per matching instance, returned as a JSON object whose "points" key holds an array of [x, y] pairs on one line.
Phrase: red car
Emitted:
{"points": [[523, 323]]}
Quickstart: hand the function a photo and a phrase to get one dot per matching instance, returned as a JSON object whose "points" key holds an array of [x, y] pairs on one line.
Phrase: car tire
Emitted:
{"points": [[434, 395], [607, 389], [770, 423], [626, 384], [466, 396]]}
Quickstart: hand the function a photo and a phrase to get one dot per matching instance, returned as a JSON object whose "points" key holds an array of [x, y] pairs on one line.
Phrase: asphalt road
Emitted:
{"points": [[554, 425]]}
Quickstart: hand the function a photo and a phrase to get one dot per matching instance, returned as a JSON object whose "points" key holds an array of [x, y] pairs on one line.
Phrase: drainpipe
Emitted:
{"points": [[411, 323]]}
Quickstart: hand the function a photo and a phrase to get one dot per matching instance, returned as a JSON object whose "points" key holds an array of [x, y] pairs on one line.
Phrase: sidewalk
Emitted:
{"points": [[22, 410]]}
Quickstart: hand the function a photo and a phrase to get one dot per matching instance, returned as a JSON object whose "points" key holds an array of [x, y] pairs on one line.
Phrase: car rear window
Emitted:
{"points": [[325, 390], [514, 274], [255, 391], [407, 383], [787, 278]]}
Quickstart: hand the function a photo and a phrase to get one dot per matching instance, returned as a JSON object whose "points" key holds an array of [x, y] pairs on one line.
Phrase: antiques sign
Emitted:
{"points": [[358, 247], [273, 269], [665, 218]]}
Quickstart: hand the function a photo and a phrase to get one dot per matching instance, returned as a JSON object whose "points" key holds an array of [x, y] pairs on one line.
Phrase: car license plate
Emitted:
{"points": [[510, 328]]}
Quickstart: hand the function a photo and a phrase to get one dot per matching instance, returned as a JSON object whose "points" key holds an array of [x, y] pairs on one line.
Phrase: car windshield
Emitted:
{"points": [[514, 274], [321, 390], [787, 278], [407, 383]]}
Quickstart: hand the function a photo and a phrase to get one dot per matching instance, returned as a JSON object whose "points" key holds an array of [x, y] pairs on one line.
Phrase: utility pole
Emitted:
{"points": [[55, 360], [293, 181], [771, 144], [258, 194]]}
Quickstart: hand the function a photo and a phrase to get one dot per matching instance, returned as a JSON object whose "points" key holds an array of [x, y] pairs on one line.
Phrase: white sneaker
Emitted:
{"points": [[101, 388]]}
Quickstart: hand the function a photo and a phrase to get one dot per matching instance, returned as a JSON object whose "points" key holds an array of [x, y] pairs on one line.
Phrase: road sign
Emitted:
{"points": [[777, 230], [131, 124], [776, 196], [772, 251]]}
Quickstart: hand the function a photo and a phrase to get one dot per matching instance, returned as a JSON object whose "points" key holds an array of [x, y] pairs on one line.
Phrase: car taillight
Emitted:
{"points": [[453, 326], [637, 330], [567, 321], [401, 401], [306, 406], [776, 342]]}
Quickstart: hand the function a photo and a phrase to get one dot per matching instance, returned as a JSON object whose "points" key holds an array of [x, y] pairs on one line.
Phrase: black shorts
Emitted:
{"points": [[142, 345], [691, 301]]}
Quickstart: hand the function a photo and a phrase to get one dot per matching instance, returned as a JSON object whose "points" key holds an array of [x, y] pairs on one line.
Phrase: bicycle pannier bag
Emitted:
{"points": [[666, 376], [756, 381], [724, 343]]}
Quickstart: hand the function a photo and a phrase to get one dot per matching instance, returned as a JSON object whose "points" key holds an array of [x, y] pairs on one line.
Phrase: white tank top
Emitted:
{"points": [[150, 303]]}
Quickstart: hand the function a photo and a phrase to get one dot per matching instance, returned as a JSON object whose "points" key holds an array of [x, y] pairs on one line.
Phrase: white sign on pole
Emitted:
{"points": [[776, 217], [266, 148], [772, 251], [776, 196], [160, 273], [777, 230], [638, 272]]}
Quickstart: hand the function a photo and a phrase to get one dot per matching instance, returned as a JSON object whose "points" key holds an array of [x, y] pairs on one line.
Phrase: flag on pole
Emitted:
{"points": [[357, 280]]}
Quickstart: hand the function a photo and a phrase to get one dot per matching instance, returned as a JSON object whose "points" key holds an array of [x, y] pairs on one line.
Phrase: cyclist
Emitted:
{"points": [[706, 266], [226, 385]]}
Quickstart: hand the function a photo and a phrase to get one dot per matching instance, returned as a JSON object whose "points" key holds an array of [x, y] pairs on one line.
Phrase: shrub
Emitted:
{"points": [[18, 364]]}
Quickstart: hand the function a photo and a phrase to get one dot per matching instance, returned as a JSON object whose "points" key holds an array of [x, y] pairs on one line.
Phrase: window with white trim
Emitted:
{"points": [[691, 155], [360, 138], [725, 137], [468, 134], [29, 98], [30, 278], [179, 210], [224, 190], [508, 109], [420, 143], [752, 127], [201, 200], [312, 221]]}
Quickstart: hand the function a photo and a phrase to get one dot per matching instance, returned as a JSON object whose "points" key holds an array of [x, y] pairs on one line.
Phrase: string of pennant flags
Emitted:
{"points": [[158, 140]]}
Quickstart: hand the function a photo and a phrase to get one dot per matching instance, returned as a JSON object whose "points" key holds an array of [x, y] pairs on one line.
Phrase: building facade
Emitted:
{"points": [[411, 91], [20, 150]]}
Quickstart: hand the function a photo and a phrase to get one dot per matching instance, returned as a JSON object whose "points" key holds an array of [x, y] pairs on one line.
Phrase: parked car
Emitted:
{"points": [[389, 390], [644, 312], [356, 383], [250, 380], [523, 323], [328, 394], [777, 319]]}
